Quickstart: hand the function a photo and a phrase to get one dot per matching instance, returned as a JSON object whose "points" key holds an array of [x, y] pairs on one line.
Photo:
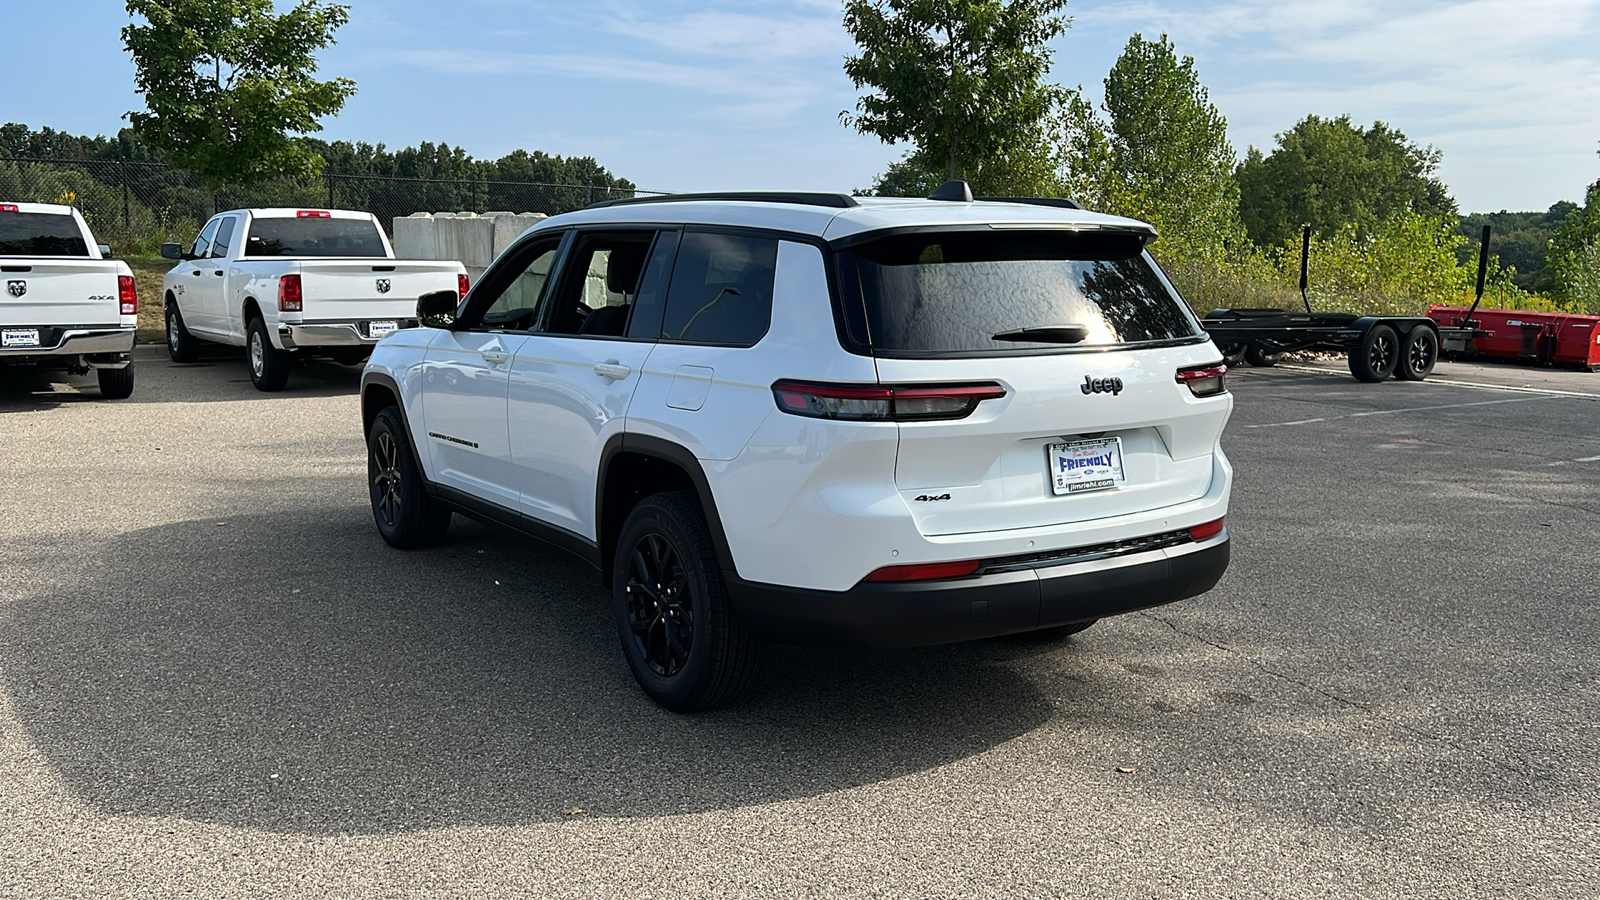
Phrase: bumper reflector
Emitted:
{"points": [[925, 571]]}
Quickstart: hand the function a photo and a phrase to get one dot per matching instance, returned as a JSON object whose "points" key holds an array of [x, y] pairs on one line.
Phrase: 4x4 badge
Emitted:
{"points": [[16, 288], [1112, 386]]}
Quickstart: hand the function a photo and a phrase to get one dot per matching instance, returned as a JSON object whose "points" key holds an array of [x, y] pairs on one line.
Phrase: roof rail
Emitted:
{"points": [[1057, 202], [797, 198]]}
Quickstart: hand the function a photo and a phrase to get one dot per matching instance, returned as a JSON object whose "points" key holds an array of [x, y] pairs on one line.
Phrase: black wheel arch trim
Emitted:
{"points": [[682, 458]]}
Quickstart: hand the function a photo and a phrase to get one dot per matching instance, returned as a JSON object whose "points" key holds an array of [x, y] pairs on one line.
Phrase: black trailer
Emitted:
{"points": [[1406, 347]]}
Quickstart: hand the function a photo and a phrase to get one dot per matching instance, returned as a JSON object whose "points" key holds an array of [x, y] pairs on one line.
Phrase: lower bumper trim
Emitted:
{"points": [[70, 341]]}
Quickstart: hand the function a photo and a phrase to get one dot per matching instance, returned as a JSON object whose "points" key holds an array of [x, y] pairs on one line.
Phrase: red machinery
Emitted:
{"points": [[1536, 337]]}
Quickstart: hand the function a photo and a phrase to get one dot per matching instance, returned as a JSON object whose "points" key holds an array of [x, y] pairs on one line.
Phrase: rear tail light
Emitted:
{"points": [[313, 214], [461, 285], [1209, 529], [924, 571], [289, 296], [1204, 381], [128, 295], [8, 207], [882, 403]]}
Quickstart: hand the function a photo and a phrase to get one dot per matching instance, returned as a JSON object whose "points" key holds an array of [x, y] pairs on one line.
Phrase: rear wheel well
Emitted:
{"points": [[630, 477], [251, 310]]}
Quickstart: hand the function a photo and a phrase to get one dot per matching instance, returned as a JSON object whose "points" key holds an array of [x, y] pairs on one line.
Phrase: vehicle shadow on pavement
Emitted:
{"points": [[289, 672], [223, 374]]}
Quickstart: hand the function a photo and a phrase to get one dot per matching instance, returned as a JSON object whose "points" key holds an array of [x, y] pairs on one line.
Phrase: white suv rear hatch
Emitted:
{"points": [[1095, 422]]}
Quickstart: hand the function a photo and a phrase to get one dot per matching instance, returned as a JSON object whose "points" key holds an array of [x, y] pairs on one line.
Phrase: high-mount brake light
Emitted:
{"points": [[313, 214], [1209, 529], [8, 207], [290, 298], [1204, 381], [462, 284], [128, 295], [924, 571], [882, 403]]}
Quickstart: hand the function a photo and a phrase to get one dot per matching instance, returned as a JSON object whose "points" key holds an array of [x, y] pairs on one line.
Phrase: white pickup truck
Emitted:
{"points": [[288, 282], [66, 305]]}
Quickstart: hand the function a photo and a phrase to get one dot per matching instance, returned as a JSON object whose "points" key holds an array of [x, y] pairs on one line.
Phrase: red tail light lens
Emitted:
{"points": [[462, 285], [128, 295], [1204, 381], [313, 214], [924, 571], [1209, 529], [882, 403], [289, 296]]}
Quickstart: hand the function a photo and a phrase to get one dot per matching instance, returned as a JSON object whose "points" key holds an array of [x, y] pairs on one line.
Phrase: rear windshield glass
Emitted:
{"points": [[313, 237], [954, 292], [40, 234]]}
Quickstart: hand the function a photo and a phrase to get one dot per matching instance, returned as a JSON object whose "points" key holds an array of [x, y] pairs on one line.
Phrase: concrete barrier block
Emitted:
{"points": [[414, 237], [467, 239], [507, 228]]}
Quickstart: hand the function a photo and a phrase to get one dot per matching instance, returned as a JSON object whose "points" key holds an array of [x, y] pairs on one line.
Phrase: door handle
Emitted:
{"points": [[217, 272], [195, 272], [612, 369], [495, 357]]}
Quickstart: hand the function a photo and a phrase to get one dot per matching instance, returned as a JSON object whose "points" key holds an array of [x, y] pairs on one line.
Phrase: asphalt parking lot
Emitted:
{"points": [[216, 680]]}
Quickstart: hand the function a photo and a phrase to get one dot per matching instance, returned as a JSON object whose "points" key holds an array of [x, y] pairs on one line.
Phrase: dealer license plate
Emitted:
{"points": [[19, 337], [1081, 466], [380, 329]]}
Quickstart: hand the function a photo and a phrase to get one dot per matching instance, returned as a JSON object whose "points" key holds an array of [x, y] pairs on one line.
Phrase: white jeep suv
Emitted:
{"points": [[813, 417]]}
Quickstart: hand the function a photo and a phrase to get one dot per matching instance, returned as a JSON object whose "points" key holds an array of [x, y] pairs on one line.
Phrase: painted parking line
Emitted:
{"points": [[1446, 382], [1409, 409], [1568, 462]]}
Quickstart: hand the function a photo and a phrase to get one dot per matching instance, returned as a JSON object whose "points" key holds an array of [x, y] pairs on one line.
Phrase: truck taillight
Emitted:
{"points": [[461, 285], [1204, 381], [882, 403], [8, 207], [128, 295], [289, 297], [313, 214]]}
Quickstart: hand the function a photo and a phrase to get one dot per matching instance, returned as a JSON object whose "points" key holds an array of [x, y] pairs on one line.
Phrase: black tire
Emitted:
{"points": [[1052, 634], [269, 366], [182, 346], [1262, 358], [1419, 353], [116, 384], [678, 632], [407, 518], [1374, 360], [1233, 354]]}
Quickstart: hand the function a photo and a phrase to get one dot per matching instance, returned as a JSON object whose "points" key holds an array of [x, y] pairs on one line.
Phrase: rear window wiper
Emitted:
{"points": [[1046, 334]]}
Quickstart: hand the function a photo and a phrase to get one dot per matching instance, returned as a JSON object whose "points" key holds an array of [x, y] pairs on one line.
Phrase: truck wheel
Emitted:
{"points": [[678, 632], [1233, 354], [182, 346], [1419, 353], [269, 366], [1375, 358], [1261, 358], [116, 384], [408, 519]]}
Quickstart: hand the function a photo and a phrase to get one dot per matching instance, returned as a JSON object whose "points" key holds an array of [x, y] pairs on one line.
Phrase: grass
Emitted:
{"points": [[147, 274]]}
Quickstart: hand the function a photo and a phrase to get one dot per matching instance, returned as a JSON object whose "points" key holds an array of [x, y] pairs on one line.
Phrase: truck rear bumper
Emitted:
{"points": [[110, 344], [334, 334]]}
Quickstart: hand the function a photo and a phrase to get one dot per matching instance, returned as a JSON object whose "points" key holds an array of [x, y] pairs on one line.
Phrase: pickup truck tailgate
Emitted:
{"points": [[351, 290], [59, 292]]}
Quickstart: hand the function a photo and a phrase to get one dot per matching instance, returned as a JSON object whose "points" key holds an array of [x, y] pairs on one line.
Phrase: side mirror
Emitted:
{"points": [[105, 251], [172, 251], [438, 309]]}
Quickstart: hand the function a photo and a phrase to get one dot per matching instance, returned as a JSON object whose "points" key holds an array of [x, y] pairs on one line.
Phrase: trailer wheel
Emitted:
{"points": [[1375, 358], [1260, 357], [1233, 354], [1419, 353]]}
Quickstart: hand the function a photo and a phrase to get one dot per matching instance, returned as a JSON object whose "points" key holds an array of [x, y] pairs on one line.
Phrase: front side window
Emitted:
{"points": [[40, 234], [224, 239], [202, 244], [514, 291], [721, 289], [991, 291], [314, 236]]}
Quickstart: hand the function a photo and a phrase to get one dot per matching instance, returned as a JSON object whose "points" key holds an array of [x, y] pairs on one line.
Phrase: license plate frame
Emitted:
{"points": [[380, 330], [19, 337], [1085, 466]]}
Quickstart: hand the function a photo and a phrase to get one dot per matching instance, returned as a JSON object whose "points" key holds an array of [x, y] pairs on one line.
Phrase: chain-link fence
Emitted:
{"points": [[135, 206]]}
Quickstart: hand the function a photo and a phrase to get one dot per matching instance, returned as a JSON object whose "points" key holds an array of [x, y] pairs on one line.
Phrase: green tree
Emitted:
{"points": [[1574, 256], [228, 85], [963, 82], [1329, 173], [1160, 152]]}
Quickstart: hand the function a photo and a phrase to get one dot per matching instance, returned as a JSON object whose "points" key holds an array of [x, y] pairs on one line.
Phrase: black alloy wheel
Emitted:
{"points": [[1419, 353], [181, 345], [687, 649], [407, 518], [1374, 359]]}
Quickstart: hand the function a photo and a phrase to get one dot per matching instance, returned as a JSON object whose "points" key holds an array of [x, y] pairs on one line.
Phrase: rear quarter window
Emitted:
{"points": [[40, 234], [314, 237], [952, 292], [721, 291]]}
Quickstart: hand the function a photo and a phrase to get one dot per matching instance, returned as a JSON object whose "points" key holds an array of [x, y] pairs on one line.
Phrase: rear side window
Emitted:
{"points": [[721, 289], [40, 234], [957, 292], [224, 240], [314, 237]]}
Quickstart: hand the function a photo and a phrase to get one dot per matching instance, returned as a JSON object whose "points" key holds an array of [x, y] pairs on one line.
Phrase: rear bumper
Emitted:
{"points": [[70, 340], [334, 334], [962, 609]]}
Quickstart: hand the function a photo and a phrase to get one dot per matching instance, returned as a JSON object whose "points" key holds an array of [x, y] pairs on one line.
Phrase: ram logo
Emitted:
{"points": [[383, 285], [16, 288]]}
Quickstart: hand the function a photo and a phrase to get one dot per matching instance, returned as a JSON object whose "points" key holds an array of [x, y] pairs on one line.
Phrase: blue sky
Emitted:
{"points": [[722, 94]]}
